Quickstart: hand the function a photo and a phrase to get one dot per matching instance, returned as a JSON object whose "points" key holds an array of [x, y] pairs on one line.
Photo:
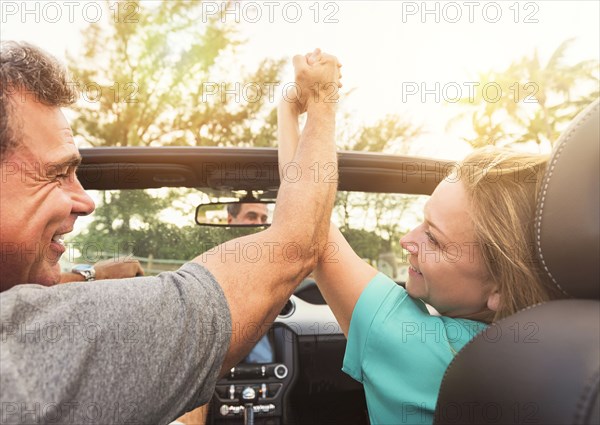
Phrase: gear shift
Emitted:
{"points": [[248, 398]]}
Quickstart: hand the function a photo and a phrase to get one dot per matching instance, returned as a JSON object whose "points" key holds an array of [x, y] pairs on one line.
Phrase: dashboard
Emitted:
{"points": [[293, 374]]}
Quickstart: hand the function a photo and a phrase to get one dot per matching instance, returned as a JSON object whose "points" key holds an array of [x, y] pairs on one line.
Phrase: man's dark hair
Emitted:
{"points": [[234, 209], [26, 70]]}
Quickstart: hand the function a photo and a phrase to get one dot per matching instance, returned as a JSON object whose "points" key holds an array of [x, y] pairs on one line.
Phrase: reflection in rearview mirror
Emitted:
{"points": [[235, 214]]}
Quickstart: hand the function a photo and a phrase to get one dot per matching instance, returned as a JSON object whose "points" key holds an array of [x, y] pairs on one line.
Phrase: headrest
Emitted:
{"points": [[538, 366], [568, 217]]}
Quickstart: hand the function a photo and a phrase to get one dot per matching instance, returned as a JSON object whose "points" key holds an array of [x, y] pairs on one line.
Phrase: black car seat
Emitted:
{"points": [[542, 364]]}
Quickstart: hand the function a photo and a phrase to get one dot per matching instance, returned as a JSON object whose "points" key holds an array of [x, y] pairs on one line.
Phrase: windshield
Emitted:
{"points": [[157, 227]]}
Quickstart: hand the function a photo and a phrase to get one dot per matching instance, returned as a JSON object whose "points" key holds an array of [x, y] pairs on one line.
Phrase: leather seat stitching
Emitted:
{"points": [[538, 221]]}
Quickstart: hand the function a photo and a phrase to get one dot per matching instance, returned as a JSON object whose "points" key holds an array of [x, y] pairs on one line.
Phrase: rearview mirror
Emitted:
{"points": [[235, 214]]}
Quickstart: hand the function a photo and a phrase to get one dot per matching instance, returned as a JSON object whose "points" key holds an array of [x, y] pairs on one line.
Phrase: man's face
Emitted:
{"points": [[40, 196], [250, 214]]}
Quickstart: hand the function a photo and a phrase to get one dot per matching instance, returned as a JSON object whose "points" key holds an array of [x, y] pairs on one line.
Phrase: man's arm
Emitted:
{"points": [[341, 279], [195, 417], [117, 268], [143, 350], [258, 273]]}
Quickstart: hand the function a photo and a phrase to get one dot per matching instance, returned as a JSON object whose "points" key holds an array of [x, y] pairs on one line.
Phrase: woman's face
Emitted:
{"points": [[446, 267]]}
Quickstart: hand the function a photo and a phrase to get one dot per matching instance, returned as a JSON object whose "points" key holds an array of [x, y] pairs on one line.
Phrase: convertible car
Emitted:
{"points": [[147, 199]]}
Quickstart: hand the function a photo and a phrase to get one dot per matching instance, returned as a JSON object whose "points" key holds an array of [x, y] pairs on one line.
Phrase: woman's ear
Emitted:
{"points": [[493, 302]]}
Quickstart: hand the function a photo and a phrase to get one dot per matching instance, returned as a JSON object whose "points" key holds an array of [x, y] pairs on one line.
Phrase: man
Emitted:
{"points": [[141, 350], [247, 213]]}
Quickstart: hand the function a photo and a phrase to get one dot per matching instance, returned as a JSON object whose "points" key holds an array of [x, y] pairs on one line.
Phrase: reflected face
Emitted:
{"points": [[250, 214], [446, 269], [40, 195]]}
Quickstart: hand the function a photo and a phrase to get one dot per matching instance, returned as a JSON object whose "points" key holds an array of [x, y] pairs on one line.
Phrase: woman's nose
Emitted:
{"points": [[408, 242]]}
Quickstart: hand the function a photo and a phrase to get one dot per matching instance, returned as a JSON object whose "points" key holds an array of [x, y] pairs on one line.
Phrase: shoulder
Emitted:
{"points": [[383, 296], [391, 315]]}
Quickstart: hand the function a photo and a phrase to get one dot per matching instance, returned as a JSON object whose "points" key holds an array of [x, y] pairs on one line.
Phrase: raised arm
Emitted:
{"points": [[258, 273], [343, 276]]}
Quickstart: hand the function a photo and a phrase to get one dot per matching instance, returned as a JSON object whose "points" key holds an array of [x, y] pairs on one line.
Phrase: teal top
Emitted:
{"points": [[399, 352]]}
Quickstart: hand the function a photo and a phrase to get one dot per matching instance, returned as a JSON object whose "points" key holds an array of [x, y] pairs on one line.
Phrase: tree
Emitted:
{"points": [[390, 134], [161, 83], [530, 100]]}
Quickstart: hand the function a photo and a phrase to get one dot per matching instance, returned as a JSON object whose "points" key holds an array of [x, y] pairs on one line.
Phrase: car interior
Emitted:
{"points": [[540, 365], [298, 370]]}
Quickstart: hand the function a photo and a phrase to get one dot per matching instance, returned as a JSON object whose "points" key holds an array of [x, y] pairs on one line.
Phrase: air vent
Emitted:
{"points": [[288, 309]]}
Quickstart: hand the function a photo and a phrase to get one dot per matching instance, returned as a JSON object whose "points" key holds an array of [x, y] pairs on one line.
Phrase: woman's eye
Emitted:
{"points": [[431, 238]]}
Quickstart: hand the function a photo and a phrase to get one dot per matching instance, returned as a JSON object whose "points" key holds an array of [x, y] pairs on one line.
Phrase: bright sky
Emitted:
{"points": [[386, 47]]}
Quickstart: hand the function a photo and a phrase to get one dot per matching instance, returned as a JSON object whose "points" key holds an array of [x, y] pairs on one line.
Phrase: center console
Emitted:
{"points": [[258, 386]]}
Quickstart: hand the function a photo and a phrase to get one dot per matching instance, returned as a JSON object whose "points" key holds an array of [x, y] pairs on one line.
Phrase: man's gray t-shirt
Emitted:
{"points": [[137, 351]]}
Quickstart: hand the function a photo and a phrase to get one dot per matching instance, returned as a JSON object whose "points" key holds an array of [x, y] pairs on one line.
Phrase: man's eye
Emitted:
{"points": [[65, 174], [60, 178]]}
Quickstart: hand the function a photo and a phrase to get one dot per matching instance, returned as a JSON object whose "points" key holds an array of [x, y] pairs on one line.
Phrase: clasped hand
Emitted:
{"points": [[317, 80]]}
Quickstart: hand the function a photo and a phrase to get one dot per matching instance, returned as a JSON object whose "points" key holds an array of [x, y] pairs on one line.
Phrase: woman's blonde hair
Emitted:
{"points": [[502, 187]]}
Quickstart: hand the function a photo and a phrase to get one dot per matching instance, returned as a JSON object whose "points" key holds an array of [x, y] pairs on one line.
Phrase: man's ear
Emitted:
{"points": [[493, 302]]}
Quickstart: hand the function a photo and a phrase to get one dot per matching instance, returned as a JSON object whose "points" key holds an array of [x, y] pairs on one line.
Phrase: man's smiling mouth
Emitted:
{"points": [[59, 238]]}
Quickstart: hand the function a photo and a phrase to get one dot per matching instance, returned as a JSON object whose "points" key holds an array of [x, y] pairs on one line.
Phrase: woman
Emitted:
{"points": [[472, 259]]}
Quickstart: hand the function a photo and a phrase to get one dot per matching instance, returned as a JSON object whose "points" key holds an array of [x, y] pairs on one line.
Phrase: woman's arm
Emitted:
{"points": [[340, 274]]}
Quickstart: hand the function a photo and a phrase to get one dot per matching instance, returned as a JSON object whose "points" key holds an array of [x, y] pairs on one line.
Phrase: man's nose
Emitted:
{"points": [[83, 204]]}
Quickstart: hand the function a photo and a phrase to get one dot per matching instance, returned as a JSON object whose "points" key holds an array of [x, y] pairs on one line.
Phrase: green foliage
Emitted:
{"points": [[154, 85], [530, 100], [388, 216], [366, 244], [159, 241], [390, 134], [149, 89]]}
